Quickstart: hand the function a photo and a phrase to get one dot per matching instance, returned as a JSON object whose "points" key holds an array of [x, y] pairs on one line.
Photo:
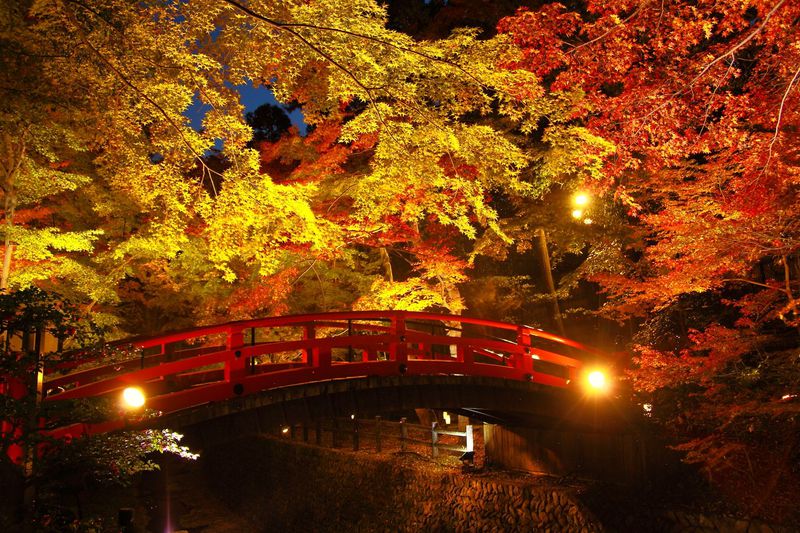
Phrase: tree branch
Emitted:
{"points": [[147, 98], [611, 29], [716, 60], [283, 27], [780, 115], [278, 24]]}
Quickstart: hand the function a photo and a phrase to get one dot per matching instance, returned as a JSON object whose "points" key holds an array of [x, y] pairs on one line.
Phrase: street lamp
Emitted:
{"points": [[133, 398], [580, 202], [580, 199]]}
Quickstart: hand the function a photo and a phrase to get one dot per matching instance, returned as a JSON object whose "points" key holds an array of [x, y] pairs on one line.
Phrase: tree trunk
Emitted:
{"points": [[386, 262], [548, 277], [15, 153], [9, 246]]}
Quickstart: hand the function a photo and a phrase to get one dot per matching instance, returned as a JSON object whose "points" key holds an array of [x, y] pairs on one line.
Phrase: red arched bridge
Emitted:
{"points": [[236, 362]]}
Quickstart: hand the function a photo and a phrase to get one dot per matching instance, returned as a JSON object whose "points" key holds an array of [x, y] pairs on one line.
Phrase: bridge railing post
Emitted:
{"points": [[403, 434], [236, 366], [309, 333], [434, 440], [316, 357], [399, 348], [356, 443], [523, 360]]}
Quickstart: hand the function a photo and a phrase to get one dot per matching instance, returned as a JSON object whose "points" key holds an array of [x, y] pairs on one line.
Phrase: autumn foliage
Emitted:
{"points": [[701, 102], [426, 166]]}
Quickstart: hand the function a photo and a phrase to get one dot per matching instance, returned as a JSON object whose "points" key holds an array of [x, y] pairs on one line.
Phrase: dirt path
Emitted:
{"points": [[180, 501]]}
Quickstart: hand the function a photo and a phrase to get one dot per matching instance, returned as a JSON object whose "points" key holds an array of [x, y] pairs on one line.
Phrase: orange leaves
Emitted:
{"points": [[266, 297]]}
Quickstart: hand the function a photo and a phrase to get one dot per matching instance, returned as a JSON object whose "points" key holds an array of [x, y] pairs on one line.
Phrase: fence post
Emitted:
{"points": [[355, 435], [335, 434], [252, 343], [403, 434], [523, 360], [378, 434], [318, 432], [305, 431], [434, 440]]}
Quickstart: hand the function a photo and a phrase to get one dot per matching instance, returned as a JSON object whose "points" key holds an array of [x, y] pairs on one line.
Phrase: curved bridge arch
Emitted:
{"points": [[232, 362]]}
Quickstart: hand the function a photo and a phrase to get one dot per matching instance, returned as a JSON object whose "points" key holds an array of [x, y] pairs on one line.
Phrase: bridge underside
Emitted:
{"points": [[490, 399]]}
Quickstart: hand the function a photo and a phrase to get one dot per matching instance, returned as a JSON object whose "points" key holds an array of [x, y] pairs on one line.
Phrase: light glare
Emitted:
{"points": [[580, 199], [597, 381], [133, 397], [577, 213]]}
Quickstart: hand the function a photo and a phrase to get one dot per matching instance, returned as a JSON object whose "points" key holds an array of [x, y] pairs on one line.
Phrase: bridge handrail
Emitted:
{"points": [[144, 342]]}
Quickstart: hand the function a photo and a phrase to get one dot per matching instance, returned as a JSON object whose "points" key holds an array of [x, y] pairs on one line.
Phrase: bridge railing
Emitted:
{"points": [[188, 368]]}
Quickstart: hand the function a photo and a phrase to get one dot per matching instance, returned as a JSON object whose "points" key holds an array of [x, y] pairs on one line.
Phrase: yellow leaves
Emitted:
{"points": [[369, 121], [39, 244], [410, 295], [254, 221], [708, 27], [573, 151]]}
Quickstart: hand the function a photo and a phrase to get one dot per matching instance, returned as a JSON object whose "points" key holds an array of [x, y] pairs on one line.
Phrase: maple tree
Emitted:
{"points": [[700, 101], [394, 157]]}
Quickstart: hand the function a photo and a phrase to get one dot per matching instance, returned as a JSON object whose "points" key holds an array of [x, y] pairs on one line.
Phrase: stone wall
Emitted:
{"points": [[282, 486]]}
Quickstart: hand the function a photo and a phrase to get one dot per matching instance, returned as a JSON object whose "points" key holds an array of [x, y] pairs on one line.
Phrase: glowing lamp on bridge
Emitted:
{"points": [[597, 381], [133, 398]]}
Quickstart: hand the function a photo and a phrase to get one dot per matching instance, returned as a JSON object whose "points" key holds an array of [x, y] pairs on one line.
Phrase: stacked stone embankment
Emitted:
{"points": [[282, 486]]}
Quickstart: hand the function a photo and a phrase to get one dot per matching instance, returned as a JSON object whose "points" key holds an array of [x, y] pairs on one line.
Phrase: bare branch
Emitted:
{"points": [[148, 99], [610, 30], [282, 27], [756, 283], [780, 115], [689, 86]]}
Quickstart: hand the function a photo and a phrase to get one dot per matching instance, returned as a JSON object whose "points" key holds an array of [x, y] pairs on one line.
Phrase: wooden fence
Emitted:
{"points": [[382, 434]]}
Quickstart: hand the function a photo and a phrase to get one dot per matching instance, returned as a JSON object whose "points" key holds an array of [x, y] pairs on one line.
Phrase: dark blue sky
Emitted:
{"points": [[251, 97]]}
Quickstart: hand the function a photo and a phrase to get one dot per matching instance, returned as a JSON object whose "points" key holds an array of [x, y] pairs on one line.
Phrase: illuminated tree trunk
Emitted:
{"points": [[14, 154], [548, 276], [9, 246], [386, 262]]}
